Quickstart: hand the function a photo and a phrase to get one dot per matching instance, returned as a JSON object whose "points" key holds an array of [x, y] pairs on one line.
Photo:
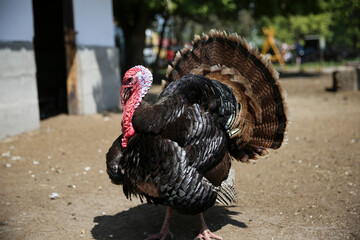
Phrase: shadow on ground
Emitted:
{"points": [[142, 220]]}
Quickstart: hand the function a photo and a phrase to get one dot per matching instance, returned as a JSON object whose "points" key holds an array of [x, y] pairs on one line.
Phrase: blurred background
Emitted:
{"points": [[68, 56], [61, 67]]}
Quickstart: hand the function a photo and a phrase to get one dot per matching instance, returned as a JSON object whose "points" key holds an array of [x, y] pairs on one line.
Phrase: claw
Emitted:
{"points": [[207, 235]]}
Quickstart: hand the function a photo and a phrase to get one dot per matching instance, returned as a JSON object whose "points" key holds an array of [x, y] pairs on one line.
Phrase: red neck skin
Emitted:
{"points": [[128, 112]]}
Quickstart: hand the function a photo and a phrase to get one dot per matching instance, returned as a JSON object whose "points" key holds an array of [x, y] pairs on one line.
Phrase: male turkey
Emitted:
{"points": [[222, 101]]}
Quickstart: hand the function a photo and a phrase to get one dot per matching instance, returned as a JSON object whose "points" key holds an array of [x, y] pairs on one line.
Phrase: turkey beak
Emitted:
{"points": [[126, 93]]}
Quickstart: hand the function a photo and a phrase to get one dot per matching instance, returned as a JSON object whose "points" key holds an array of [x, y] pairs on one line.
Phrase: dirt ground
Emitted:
{"points": [[309, 189]]}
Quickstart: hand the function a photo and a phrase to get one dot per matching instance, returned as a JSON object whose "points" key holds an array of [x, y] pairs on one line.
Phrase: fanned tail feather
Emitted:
{"points": [[261, 120]]}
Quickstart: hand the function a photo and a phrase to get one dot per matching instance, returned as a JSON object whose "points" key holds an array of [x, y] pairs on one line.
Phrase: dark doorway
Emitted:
{"points": [[50, 57]]}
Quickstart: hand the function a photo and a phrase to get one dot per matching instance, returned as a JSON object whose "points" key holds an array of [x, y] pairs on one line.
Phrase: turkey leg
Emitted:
{"points": [[205, 233], [165, 229]]}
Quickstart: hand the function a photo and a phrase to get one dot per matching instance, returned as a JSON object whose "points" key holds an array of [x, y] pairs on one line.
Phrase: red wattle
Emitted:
{"points": [[128, 112]]}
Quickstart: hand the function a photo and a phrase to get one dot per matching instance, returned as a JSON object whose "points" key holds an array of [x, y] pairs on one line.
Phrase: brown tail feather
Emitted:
{"points": [[261, 122]]}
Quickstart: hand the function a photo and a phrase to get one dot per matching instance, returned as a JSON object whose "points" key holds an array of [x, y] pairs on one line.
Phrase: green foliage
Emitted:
{"points": [[336, 20], [127, 12], [346, 21], [296, 27], [201, 10], [273, 8]]}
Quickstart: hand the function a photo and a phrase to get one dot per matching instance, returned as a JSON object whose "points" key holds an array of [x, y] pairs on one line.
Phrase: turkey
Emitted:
{"points": [[221, 102]]}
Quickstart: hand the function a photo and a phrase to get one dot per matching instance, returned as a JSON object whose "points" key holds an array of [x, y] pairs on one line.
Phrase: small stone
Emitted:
{"points": [[15, 158], [6, 154], [300, 161], [353, 141], [101, 171], [35, 162], [87, 168], [99, 150], [8, 165], [53, 195]]}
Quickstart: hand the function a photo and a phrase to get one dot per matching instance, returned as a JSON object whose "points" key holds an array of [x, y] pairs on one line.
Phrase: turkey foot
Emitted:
{"points": [[165, 229], [205, 233]]}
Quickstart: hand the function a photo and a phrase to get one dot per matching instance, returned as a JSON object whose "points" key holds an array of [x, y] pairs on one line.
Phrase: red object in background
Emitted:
{"points": [[170, 54]]}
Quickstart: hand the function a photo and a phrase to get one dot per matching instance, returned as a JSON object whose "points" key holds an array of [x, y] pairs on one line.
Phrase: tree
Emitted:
{"points": [[297, 26], [134, 17], [346, 22], [336, 20]]}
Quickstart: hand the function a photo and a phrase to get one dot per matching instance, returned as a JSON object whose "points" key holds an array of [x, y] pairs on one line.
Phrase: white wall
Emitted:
{"points": [[16, 20], [93, 21], [19, 109], [97, 57], [98, 79]]}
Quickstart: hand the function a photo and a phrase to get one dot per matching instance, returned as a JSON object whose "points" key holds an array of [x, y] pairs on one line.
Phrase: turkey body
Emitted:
{"points": [[181, 152], [222, 101]]}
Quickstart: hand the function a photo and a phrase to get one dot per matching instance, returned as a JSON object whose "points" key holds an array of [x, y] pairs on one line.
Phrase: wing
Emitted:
{"points": [[204, 141]]}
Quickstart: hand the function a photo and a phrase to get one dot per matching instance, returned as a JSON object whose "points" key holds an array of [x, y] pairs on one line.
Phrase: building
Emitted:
{"points": [[55, 57]]}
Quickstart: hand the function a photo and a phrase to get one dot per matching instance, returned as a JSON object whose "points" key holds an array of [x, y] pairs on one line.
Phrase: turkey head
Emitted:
{"points": [[136, 83]]}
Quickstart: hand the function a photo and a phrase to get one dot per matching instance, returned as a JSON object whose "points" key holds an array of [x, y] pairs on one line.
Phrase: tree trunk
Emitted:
{"points": [[156, 64], [135, 42], [179, 27]]}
